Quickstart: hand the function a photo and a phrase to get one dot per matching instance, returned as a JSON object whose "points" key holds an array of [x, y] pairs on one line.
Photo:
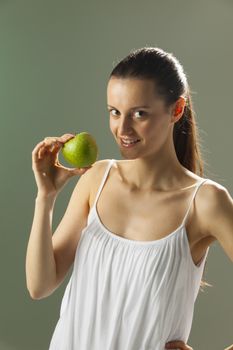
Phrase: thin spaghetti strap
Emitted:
{"points": [[103, 180], [199, 183]]}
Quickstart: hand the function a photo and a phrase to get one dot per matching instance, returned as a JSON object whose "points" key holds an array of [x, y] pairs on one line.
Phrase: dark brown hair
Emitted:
{"points": [[170, 83]]}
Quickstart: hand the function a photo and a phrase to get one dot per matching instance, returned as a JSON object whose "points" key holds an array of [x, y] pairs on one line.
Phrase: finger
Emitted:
{"points": [[68, 134], [37, 147], [48, 138], [66, 137], [53, 144], [35, 152], [178, 345], [78, 171], [52, 140]]}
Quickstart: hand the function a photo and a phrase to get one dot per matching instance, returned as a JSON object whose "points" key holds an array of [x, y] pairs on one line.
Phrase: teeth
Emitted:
{"points": [[132, 141]]}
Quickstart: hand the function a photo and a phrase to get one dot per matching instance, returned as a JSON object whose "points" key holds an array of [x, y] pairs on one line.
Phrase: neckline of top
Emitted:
{"points": [[133, 241], [140, 242], [152, 243]]}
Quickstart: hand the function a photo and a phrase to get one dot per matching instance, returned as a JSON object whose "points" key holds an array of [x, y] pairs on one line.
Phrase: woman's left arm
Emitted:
{"points": [[219, 223], [220, 217]]}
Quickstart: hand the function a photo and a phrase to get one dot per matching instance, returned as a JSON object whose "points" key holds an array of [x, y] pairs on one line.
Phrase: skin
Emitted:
{"points": [[229, 347], [154, 157], [153, 161], [178, 344]]}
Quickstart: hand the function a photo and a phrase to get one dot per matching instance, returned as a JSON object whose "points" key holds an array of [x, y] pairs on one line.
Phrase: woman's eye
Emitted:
{"points": [[138, 114], [111, 111], [142, 113]]}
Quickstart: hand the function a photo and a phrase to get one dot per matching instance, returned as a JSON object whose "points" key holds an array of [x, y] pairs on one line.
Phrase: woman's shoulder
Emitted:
{"points": [[101, 164], [216, 206], [99, 167], [212, 187], [214, 196]]}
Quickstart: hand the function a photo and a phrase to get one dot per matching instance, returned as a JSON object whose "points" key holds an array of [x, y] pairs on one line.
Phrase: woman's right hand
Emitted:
{"points": [[50, 175]]}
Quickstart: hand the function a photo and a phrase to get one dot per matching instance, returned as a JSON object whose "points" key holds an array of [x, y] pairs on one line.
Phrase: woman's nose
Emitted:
{"points": [[124, 126]]}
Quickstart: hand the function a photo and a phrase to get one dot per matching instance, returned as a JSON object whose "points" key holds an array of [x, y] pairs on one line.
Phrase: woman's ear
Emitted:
{"points": [[178, 109]]}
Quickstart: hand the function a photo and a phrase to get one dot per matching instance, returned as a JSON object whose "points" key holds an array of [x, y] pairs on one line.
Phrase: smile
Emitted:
{"points": [[129, 143]]}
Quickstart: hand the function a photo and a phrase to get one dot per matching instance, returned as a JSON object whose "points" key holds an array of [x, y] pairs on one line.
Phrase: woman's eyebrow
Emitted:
{"points": [[136, 107]]}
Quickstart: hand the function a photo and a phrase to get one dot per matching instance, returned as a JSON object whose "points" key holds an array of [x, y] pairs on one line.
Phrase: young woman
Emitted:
{"points": [[137, 230]]}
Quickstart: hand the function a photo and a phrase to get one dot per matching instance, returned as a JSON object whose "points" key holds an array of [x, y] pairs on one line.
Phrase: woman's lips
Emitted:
{"points": [[129, 145]]}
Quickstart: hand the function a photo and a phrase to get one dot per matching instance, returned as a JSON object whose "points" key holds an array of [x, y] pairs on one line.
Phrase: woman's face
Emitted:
{"points": [[137, 113]]}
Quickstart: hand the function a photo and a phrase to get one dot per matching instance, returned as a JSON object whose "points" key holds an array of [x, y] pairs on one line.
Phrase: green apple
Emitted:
{"points": [[81, 151]]}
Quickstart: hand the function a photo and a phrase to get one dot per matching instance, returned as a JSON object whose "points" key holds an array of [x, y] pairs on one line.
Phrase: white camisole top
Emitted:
{"points": [[125, 294]]}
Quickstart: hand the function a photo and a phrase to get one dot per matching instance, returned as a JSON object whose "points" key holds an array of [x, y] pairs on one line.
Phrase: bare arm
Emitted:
{"points": [[40, 262], [219, 214], [49, 256]]}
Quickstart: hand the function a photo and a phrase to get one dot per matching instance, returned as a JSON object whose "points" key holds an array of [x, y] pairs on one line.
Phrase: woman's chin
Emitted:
{"points": [[128, 155]]}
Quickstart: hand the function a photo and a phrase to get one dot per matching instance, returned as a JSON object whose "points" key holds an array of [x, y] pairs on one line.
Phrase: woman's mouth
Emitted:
{"points": [[129, 143]]}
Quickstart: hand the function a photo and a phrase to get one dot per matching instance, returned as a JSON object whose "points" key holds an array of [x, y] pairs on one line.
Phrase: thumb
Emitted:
{"points": [[78, 171]]}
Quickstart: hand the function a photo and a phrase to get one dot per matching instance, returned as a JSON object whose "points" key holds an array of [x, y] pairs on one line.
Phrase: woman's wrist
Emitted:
{"points": [[45, 197]]}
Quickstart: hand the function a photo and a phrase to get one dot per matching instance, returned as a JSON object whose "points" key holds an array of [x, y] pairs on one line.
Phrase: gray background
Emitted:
{"points": [[54, 64]]}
